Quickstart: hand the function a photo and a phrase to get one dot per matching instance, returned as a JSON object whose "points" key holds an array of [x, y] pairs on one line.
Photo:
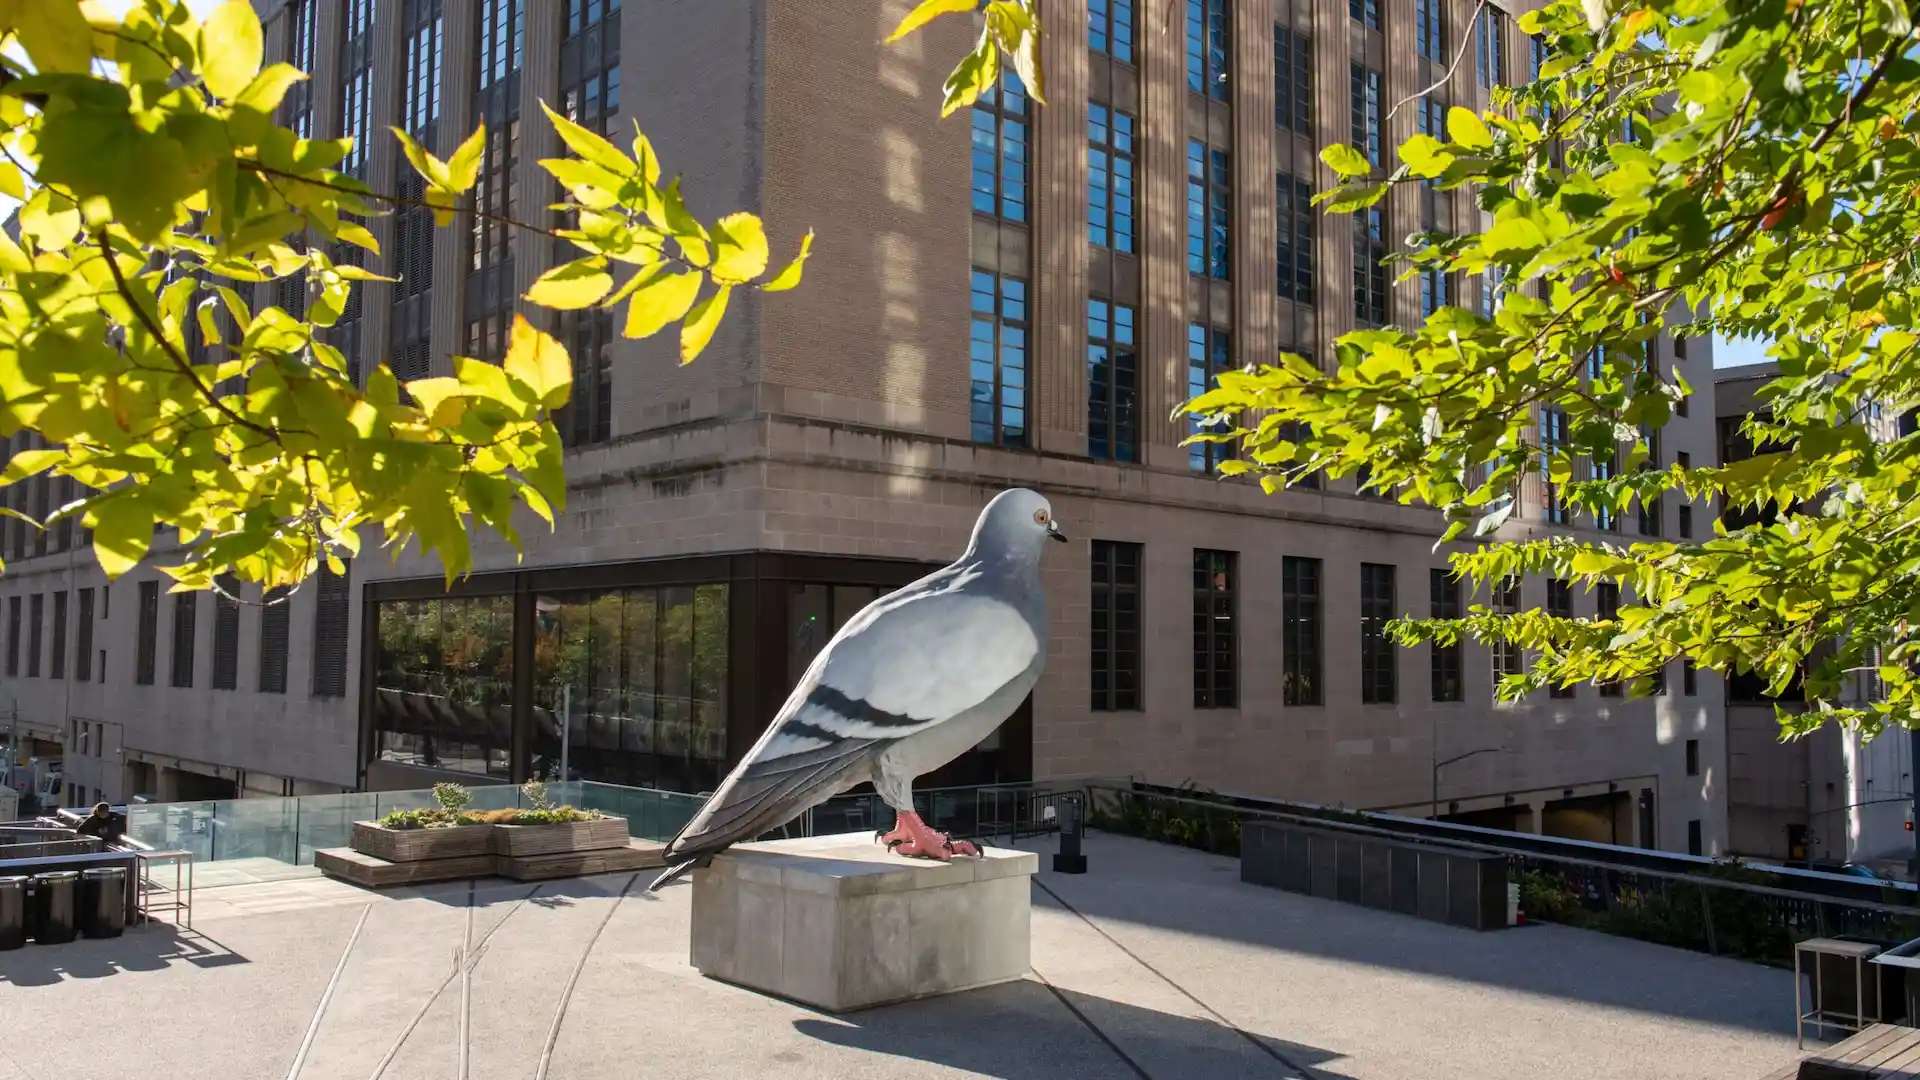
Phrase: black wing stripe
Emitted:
{"points": [[857, 710]]}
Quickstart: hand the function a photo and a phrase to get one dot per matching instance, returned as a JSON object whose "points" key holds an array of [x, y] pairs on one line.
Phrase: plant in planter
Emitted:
{"points": [[452, 810]]}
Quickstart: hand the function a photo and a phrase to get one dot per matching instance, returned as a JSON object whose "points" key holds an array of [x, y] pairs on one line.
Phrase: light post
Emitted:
{"points": [[1434, 811]]}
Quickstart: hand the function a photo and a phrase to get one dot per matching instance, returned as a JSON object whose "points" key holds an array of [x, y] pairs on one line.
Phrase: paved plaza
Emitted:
{"points": [[1158, 963]]}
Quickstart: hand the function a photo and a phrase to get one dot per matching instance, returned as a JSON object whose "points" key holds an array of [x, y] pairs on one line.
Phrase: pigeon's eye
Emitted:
{"points": [[1039, 517]]}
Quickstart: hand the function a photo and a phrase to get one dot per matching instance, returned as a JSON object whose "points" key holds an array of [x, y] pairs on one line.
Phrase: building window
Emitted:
{"points": [[148, 631], [13, 637], [185, 607], [1553, 439], [496, 101], [1606, 608], [356, 83], [1686, 521], [296, 108], [275, 613], [1378, 657], [1490, 47], [1434, 291], [1113, 381], [1207, 48], [36, 623], [1292, 81], [999, 359], [1000, 150], [226, 633], [1492, 284], [1537, 53], [1116, 627], [1209, 352], [330, 618], [57, 660], [1506, 654], [1215, 675], [1110, 28], [1605, 468], [1109, 178], [1209, 210], [1444, 598], [590, 63], [1689, 677], [1370, 267], [83, 637], [1366, 112], [1365, 12], [410, 342], [1560, 606], [1293, 252], [1694, 845], [587, 417], [1299, 631], [1430, 30]]}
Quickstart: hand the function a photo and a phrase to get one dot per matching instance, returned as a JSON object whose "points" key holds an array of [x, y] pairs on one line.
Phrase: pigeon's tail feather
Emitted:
{"points": [[764, 795], [672, 873]]}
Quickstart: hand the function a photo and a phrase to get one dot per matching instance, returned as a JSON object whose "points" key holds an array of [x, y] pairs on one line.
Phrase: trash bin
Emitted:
{"points": [[13, 912], [103, 901], [53, 903]]}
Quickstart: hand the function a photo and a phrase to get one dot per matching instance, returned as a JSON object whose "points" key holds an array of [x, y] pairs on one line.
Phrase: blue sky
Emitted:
{"points": [[1733, 352]]}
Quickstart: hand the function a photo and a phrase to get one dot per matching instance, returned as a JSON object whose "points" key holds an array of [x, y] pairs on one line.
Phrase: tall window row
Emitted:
{"points": [[998, 359], [421, 57], [1113, 382], [1000, 144], [590, 97], [1209, 48], [356, 98], [499, 34], [1209, 210], [1209, 352], [296, 108]]}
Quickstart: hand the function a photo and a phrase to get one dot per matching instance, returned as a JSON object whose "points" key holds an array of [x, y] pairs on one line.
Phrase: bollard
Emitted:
{"points": [[1069, 860]]}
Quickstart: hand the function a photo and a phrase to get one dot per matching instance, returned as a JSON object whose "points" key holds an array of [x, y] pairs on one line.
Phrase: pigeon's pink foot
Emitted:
{"points": [[911, 836]]}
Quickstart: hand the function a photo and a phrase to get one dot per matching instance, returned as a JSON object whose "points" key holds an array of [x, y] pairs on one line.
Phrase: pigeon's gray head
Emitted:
{"points": [[1017, 524]]}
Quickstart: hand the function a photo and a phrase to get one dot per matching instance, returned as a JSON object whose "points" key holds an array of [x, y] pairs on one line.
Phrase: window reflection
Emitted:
{"points": [[443, 689]]}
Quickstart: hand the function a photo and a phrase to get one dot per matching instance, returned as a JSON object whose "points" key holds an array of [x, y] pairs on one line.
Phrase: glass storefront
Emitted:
{"points": [[443, 684], [640, 675]]}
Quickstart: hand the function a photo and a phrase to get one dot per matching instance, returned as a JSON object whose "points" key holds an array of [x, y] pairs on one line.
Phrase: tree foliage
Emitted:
{"points": [[1686, 165], [159, 191]]}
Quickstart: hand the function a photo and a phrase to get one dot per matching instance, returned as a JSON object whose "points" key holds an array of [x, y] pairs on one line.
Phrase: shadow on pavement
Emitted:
{"points": [[1023, 1031], [148, 948]]}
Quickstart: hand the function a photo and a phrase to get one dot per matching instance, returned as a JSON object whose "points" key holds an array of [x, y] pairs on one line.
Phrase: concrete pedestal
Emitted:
{"points": [[838, 923]]}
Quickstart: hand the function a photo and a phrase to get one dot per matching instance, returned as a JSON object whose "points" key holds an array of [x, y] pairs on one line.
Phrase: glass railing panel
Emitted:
{"points": [[184, 826], [326, 821], [256, 829]]}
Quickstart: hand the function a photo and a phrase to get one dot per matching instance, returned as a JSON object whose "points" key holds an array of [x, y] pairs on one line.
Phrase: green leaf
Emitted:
{"points": [[740, 248], [28, 463], [973, 76], [231, 48], [700, 326], [1465, 127], [926, 12], [1017, 35], [664, 297], [54, 31], [1425, 156], [431, 168], [267, 89], [570, 286], [540, 362], [122, 529], [1345, 160], [1350, 197], [790, 276], [1513, 240]]}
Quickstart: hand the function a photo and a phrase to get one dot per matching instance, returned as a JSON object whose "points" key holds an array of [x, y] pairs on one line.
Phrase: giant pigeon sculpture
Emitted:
{"points": [[914, 680]]}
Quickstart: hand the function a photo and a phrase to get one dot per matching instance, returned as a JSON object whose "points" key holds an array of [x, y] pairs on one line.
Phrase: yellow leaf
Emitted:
{"points": [[1467, 129], [700, 326], [540, 362], [790, 277], [663, 298], [54, 32], [231, 47], [589, 145], [740, 248], [1018, 36], [571, 286], [463, 168], [122, 529], [10, 182], [926, 12], [643, 154], [358, 236], [428, 166]]}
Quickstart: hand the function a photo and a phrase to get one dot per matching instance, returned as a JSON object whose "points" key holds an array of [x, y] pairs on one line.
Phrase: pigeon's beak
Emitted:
{"points": [[1053, 530]]}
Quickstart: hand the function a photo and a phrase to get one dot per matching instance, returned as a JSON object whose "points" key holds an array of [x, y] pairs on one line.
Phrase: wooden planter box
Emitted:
{"points": [[416, 845], [521, 841]]}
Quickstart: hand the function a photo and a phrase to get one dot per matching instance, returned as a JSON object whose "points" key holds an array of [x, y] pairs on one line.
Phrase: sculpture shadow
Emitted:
{"points": [[148, 948], [1161, 887], [1028, 1030]]}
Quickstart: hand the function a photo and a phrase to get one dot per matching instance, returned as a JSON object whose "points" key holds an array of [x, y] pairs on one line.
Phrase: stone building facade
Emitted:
{"points": [[1019, 294]]}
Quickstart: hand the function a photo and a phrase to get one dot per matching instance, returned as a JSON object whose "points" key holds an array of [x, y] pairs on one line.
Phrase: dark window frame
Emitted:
{"points": [[1302, 657], [1113, 381], [1216, 629], [1000, 417], [1379, 656], [147, 634], [1115, 574]]}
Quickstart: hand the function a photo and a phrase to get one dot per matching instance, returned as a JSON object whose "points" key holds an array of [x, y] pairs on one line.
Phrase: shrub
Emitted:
{"points": [[452, 797]]}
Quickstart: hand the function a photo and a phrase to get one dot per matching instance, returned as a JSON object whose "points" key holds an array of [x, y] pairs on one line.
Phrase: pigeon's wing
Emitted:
{"points": [[906, 663]]}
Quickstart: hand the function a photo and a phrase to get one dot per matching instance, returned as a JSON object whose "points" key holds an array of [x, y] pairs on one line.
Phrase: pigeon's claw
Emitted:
{"points": [[912, 837]]}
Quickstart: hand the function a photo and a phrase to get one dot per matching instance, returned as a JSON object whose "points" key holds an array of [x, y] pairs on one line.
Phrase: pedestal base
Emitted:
{"points": [[839, 923]]}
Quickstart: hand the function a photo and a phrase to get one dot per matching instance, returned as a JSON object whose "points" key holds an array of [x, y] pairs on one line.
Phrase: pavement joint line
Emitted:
{"points": [[394, 1051], [573, 980], [1258, 1043], [466, 988], [1098, 1033], [326, 996]]}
